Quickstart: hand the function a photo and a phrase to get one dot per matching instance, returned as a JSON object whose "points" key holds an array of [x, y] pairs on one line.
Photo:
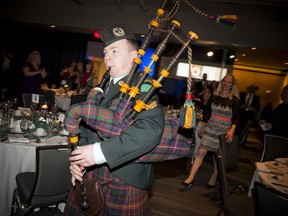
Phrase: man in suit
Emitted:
{"points": [[250, 102], [249, 106], [278, 120], [114, 158], [200, 87]]}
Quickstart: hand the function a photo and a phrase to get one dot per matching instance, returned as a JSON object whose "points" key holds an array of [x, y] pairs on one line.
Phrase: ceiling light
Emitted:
{"points": [[235, 59], [253, 48], [210, 53], [52, 26], [232, 56], [286, 63], [243, 55]]}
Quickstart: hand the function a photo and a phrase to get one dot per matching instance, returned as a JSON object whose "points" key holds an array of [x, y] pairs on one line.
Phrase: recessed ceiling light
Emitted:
{"points": [[52, 26], [232, 56], [243, 55], [210, 53], [253, 48], [286, 63], [235, 59]]}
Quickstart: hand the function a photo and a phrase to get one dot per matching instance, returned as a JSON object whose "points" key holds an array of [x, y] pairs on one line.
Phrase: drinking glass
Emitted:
{"points": [[24, 126]]}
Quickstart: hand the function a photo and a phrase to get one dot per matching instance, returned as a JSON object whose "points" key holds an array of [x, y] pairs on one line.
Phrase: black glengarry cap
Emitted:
{"points": [[115, 32]]}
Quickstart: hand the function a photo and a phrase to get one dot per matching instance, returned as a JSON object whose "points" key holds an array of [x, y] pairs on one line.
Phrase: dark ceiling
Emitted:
{"points": [[264, 57]]}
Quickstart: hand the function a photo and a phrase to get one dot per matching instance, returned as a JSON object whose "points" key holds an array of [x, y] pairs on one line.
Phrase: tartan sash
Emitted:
{"points": [[111, 122]]}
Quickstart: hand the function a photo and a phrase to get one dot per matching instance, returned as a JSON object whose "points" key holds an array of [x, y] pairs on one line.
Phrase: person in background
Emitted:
{"points": [[266, 111], [7, 74], [277, 123], [114, 158], [202, 91], [86, 82], [201, 86], [220, 117], [69, 76], [213, 86], [250, 104], [79, 67], [34, 74]]}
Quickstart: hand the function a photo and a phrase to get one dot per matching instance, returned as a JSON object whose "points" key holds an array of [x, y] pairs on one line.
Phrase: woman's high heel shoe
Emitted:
{"points": [[187, 187]]}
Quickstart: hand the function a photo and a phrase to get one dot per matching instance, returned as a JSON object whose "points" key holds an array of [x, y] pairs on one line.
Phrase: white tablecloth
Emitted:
{"points": [[16, 158], [271, 173], [63, 102]]}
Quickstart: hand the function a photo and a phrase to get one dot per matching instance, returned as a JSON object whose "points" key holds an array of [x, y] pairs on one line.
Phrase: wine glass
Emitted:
{"points": [[50, 123], [24, 126]]}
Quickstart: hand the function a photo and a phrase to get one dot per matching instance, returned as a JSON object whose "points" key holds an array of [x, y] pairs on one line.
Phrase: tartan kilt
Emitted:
{"points": [[121, 199]]}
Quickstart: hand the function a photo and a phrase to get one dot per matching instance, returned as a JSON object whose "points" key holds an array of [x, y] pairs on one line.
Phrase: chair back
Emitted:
{"points": [[230, 152], [274, 147], [269, 201], [53, 178], [222, 177], [78, 99], [27, 100]]}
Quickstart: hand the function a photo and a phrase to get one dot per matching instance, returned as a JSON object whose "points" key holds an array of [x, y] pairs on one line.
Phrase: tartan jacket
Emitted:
{"points": [[122, 151]]}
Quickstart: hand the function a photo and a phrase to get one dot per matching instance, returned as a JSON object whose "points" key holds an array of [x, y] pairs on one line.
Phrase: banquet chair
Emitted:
{"points": [[239, 180], [27, 100], [77, 99], [233, 204], [48, 185], [269, 201], [243, 134], [274, 147]]}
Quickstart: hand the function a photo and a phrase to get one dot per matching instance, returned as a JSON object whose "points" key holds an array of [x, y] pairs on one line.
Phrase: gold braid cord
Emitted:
{"points": [[189, 79]]}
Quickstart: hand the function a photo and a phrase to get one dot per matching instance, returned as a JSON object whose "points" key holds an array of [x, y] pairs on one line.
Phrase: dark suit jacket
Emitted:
{"points": [[279, 120], [255, 103], [141, 137], [199, 88]]}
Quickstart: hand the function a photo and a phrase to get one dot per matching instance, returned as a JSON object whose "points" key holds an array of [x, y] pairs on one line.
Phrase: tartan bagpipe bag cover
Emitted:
{"points": [[110, 122]]}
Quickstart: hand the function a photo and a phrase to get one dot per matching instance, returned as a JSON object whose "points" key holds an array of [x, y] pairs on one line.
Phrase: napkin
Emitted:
{"points": [[18, 138]]}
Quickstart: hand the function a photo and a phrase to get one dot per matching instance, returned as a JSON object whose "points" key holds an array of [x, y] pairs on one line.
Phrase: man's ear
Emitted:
{"points": [[134, 54]]}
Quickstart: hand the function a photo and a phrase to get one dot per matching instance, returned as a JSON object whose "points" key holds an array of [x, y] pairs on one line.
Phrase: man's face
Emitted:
{"points": [[119, 57]]}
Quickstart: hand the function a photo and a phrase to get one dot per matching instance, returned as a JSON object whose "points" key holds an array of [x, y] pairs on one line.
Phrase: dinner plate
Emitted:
{"points": [[278, 178], [43, 135], [282, 160], [14, 131], [274, 164]]}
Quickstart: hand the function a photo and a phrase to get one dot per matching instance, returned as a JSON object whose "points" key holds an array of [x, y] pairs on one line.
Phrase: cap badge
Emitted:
{"points": [[117, 31]]}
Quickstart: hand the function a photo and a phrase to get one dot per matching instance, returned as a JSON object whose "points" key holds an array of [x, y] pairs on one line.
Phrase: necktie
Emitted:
{"points": [[248, 101], [107, 87]]}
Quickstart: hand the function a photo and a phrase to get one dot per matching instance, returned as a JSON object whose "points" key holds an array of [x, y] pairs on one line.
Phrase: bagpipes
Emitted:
{"points": [[123, 111], [110, 122]]}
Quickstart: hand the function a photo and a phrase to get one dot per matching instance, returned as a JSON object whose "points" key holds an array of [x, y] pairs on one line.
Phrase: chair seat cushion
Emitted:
{"points": [[25, 182]]}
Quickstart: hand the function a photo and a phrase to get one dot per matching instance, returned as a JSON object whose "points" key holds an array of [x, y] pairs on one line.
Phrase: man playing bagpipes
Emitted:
{"points": [[113, 158], [123, 143]]}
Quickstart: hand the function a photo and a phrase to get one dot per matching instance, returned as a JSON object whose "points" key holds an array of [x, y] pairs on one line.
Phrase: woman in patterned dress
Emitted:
{"points": [[220, 117]]}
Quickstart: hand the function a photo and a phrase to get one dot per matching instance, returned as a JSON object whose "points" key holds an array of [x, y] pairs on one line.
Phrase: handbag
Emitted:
{"points": [[95, 197]]}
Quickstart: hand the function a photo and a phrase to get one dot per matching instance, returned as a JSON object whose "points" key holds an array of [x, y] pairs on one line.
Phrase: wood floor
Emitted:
{"points": [[166, 200]]}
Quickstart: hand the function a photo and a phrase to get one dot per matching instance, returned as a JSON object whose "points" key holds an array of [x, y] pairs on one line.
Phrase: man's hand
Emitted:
{"points": [[77, 172], [83, 156]]}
